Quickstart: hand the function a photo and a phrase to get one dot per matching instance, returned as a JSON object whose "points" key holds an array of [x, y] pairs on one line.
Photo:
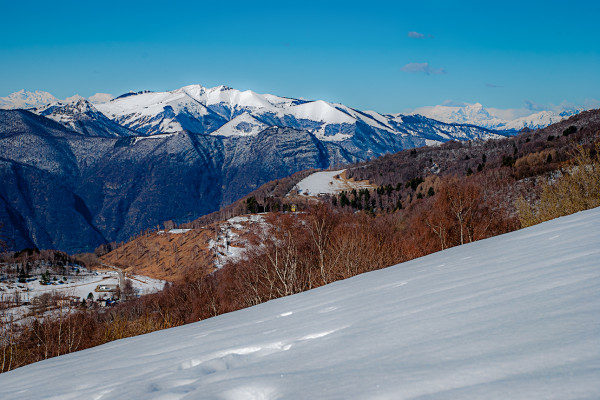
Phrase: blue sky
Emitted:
{"points": [[362, 54]]}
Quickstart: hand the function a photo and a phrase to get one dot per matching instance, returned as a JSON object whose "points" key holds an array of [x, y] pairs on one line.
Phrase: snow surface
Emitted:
{"points": [[327, 182], [512, 317]]}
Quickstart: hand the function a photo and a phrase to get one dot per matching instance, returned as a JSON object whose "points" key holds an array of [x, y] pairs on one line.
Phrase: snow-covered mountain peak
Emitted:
{"points": [[218, 111], [194, 91], [320, 110], [477, 114], [26, 99], [226, 95], [100, 98]]}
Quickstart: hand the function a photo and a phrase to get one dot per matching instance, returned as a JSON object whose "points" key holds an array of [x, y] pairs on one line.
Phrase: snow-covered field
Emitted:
{"points": [[513, 317], [79, 286], [327, 182]]}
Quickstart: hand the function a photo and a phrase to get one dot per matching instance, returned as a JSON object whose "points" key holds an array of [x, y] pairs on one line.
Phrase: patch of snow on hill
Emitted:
{"points": [[227, 244], [158, 136], [242, 125], [327, 182], [512, 317]]}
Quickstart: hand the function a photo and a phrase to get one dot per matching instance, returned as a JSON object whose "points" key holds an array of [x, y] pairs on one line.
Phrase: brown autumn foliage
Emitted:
{"points": [[172, 257], [577, 189]]}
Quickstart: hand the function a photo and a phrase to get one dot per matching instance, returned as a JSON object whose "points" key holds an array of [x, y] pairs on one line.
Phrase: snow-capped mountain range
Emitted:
{"points": [[27, 100], [223, 111], [477, 114]]}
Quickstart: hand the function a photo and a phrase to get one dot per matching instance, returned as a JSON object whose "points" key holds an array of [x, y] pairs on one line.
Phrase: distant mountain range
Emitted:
{"points": [[494, 119], [226, 111], [25, 99], [80, 172]]}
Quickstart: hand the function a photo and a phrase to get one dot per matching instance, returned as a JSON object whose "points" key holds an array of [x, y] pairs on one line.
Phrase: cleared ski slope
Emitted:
{"points": [[513, 317]]}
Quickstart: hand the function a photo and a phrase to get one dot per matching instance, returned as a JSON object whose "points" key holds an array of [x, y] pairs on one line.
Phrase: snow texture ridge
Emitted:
{"points": [[512, 317]]}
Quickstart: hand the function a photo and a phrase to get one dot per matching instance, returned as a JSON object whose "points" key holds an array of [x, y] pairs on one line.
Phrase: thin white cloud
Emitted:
{"points": [[419, 35], [589, 104], [425, 68], [416, 35]]}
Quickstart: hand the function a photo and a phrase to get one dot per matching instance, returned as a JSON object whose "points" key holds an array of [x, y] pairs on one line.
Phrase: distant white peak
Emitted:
{"points": [[100, 98], [224, 94], [221, 88], [26, 99], [320, 110], [194, 91], [73, 99], [234, 97]]}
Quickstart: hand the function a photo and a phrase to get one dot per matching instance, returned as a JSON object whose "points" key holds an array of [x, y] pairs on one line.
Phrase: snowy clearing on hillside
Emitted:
{"points": [[512, 317], [227, 244], [174, 231], [328, 182], [158, 136], [79, 286]]}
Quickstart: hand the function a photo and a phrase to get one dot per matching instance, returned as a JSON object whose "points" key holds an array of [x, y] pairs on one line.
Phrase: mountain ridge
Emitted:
{"points": [[477, 114]]}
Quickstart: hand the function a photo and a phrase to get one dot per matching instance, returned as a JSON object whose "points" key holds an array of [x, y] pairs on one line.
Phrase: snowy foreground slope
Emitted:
{"points": [[517, 316]]}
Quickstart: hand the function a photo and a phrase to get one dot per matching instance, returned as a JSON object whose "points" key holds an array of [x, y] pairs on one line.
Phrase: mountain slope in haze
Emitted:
{"points": [[508, 317], [494, 119], [26, 99]]}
